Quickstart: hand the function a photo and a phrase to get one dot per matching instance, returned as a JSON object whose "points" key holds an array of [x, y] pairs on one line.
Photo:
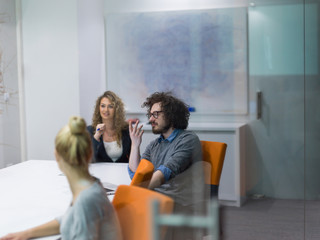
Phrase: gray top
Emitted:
{"points": [[91, 217], [176, 154], [186, 183]]}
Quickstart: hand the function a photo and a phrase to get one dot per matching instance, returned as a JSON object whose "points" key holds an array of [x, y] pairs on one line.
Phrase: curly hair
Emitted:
{"points": [[175, 111], [119, 121]]}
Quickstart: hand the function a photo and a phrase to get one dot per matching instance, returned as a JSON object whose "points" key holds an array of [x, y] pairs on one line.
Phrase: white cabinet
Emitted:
{"points": [[232, 183]]}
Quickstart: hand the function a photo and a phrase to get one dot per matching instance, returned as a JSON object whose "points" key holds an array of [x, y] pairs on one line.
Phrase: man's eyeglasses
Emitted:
{"points": [[155, 114]]}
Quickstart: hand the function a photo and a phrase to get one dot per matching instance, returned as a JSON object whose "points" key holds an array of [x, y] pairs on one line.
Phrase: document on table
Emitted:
{"points": [[109, 187]]}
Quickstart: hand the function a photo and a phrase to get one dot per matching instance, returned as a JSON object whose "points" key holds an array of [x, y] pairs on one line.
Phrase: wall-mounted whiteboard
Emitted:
{"points": [[201, 56]]}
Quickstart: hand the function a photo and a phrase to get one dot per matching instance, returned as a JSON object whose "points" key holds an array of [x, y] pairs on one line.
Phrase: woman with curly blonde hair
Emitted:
{"points": [[109, 130]]}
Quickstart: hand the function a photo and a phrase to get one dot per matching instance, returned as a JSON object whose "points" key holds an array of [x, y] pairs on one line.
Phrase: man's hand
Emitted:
{"points": [[135, 133], [136, 139]]}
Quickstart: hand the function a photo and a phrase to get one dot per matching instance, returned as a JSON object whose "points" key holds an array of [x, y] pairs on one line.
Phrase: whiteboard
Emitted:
{"points": [[200, 56]]}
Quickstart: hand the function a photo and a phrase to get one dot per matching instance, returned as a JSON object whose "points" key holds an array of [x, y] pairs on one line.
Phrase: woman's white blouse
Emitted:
{"points": [[113, 150]]}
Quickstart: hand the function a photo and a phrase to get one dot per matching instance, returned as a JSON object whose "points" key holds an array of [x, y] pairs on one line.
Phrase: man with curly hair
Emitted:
{"points": [[174, 153]]}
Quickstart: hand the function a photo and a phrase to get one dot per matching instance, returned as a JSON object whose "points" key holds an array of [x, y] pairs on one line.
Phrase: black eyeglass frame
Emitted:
{"points": [[155, 114]]}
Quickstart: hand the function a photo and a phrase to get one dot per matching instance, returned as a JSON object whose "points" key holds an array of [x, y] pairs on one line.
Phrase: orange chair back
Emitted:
{"points": [[214, 153], [133, 207], [143, 174]]}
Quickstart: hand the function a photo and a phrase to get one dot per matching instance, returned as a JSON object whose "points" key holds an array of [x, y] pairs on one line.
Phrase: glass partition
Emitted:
{"points": [[282, 179], [312, 120]]}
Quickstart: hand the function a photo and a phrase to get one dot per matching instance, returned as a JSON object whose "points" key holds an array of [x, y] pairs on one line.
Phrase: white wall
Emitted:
{"points": [[63, 61], [91, 54], [51, 71], [9, 110]]}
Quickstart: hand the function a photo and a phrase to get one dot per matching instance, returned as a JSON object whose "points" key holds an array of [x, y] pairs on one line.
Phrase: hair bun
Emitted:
{"points": [[77, 125]]}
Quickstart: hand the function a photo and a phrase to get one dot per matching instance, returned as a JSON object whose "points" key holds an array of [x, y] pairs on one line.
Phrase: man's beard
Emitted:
{"points": [[161, 130]]}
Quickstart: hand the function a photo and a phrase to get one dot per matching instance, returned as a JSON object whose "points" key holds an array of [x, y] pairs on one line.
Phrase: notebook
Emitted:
{"points": [[109, 187]]}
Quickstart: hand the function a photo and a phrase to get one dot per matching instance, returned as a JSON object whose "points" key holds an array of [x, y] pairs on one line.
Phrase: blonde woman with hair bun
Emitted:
{"points": [[90, 214]]}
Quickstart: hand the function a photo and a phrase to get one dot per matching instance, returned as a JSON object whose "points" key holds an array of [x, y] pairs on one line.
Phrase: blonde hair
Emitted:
{"points": [[73, 143], [119, 116]]}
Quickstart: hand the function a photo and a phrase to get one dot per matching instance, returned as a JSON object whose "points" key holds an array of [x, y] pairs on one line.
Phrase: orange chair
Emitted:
{"points": [[133, 207], [143, 174], [214, 153]]}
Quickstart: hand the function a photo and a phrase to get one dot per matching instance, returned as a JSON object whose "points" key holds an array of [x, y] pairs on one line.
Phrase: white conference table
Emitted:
{"points": [[35, 192]]}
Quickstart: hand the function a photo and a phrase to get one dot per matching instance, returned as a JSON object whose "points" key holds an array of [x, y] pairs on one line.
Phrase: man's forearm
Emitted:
{"points": [[134, 158], [157, 180]]}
